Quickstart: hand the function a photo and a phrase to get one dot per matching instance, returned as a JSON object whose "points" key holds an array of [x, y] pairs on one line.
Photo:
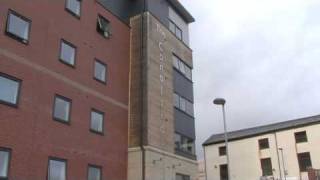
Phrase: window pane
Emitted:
{"points": [[18, 26], [176, 100], [189, 108], [266, 166], [177, 141], [61, 109], [188, 72], [96, 121], [182, 67], [4, 163], [172, 27], [224, 172], [74, 6], [179, 33], [103, 26], [94, 173], [222, 151], [100, 71], [264, 143], [175, 62], [304, 161], [57, 170], [8, 90], [301, 137], [68, 53], [182, 104]]}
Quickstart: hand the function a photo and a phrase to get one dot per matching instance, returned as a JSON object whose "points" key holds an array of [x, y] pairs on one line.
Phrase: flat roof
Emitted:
{"points": [[182, 11], [261, 130]]}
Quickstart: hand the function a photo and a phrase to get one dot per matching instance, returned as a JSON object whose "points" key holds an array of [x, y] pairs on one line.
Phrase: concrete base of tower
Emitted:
{"points": [[158, 165]]}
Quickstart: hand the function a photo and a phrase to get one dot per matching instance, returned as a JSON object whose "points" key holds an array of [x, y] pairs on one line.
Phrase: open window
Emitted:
{"points": [[103, 27]]}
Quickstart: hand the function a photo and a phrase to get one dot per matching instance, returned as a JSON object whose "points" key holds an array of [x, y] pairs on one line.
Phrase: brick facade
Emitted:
{"points": [[29, 130]]}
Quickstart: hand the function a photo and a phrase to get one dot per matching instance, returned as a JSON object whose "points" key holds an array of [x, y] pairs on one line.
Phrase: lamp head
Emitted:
{"points": [[219, 101]]}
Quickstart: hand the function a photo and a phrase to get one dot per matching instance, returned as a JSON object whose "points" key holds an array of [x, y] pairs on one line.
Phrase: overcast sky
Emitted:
{"points": [[262, 56]]}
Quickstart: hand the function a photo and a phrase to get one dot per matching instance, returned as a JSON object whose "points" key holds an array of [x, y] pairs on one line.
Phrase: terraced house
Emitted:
{"points": [[96, 90]]}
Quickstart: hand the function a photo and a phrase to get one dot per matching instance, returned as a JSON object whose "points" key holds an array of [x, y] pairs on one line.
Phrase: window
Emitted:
{"points": [[176, 100], [94, 173], [9, 89], [224, 172], [18, 27], [103, 27], [67, 53], [62, 108], [97, 118], [304, 161], [264, 143], [222, 151], [184, 144], [182, 177], [100, 71], [175, 30], [57, 169], [74, 7], [179, 33], [266, 167], [183, 104], [4, 162], [301, 137], [182, 67]]}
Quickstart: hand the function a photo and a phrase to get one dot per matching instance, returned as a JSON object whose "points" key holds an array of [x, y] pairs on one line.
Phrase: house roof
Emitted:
{"points": [[182, 11], [260, 130]]}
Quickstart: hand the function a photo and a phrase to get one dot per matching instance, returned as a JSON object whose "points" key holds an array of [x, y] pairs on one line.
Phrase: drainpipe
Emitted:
{"points": [[143, 117], [205, 162], [277, 147]]}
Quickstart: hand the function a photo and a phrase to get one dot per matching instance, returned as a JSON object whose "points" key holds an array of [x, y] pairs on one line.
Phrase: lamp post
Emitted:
{"points": [[283, 164], [222, 102]]}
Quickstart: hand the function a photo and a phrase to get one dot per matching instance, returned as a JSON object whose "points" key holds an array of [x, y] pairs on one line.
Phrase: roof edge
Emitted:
{"points": [[182, 11], [212, 142]]}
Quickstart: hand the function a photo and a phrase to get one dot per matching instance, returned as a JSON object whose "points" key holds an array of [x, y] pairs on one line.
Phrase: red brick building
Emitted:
{"points": [[64, 72]]}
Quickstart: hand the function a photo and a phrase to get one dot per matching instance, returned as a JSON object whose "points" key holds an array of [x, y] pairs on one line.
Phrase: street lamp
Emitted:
{"points": [[221, 101], [284, 167]]}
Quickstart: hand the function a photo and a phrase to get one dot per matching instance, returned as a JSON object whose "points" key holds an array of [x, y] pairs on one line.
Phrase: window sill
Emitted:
{"points": [[17, 38], [97, 132], [61, 121], [73, 14], [65, 63], [100, 81]]}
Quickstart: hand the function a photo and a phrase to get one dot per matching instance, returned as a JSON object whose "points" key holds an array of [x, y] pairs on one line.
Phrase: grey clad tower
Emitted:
{"points": [[161, 115]]}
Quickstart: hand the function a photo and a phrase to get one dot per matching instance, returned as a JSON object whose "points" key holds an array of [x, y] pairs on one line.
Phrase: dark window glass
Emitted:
{"points": [[301, 137], [176, 100], [94, 173], [9, 89], [172, 27], [103, 27], [264, 143], [222, 151], [304, 161], [100, 71], [179, 33], [266, 166], [4, 162], [184, 144], [57, 169], [67, 53], [74, 7], [175, 30], [97, 119], [182, 177], [224, 172], [62, 108], [18, 27], [182, 67]]}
